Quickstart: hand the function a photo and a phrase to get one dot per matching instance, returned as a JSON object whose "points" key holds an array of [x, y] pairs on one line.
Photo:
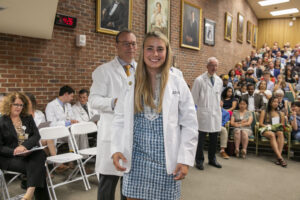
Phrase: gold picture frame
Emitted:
{"points": [[254, 36], [111, 19], [228, 26], [240, 27], [191, 19], [249, 32], [158, 16]]}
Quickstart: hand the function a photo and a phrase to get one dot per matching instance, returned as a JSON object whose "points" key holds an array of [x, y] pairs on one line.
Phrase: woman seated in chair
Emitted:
{"points": [[228, 99], [282, 104], [18, 134], [295, 120], [241, 120], [262, 90], [271, 124]]}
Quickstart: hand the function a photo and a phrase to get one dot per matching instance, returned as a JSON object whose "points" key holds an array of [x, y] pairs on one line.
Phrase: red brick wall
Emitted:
{"points": [[43, 66]]}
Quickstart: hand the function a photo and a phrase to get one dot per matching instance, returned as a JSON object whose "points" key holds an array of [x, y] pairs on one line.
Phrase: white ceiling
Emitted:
{"points": [[31, 18], [263, 12]]}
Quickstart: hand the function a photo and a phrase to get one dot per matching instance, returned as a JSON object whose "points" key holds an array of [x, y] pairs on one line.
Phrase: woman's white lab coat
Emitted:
{"points": [[179, 124]]}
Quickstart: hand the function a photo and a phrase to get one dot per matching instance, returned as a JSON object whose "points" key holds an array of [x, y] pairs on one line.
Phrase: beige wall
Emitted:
{"points": [[271, 30]]}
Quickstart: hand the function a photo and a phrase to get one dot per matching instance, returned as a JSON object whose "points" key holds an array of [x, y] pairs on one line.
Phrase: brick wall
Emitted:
{"points": [[43, 66]]}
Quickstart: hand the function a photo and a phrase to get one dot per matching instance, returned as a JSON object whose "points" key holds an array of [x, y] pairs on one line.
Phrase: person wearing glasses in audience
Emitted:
{"points": [[109, 81], [18, 134]]}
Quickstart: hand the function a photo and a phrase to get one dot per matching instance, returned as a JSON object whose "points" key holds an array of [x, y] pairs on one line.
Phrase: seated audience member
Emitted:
{"points": [[257, 72], [244, 65], [260, 66], [83, 113], [232, 77], [288, 76], [39, 117], [271, 124], [255, 101], [253, 56], [224, 133], [59, 111], [241, 121], [226, 83], [229, 102], [240, 92], [263, 91], [271, 68], [295, 120], [250, 77], [19, 134], [281, 84], [238, 69], [266, 77], [277, 68], [282, 104], [248, 61]]}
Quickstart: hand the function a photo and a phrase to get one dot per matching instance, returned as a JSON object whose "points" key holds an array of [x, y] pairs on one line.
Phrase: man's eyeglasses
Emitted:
{"points": [[127, 44], [18, 105]]}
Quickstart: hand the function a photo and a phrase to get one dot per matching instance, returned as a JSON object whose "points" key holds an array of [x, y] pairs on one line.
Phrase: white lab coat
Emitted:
{"points": [[179, 124], [39, 117], [109, 80], [81, 115], [57, 115], [207, 99]]}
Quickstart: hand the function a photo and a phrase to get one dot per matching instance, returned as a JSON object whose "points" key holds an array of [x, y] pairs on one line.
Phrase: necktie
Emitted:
{"points": [[212, 80], [85, 108], [127, 70]]}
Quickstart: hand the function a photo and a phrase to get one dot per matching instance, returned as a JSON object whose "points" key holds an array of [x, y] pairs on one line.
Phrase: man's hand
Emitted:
{"points": [[74, 121], [116, 160], [181, 171]]}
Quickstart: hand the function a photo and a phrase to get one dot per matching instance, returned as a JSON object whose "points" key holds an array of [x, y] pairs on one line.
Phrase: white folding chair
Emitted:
{"points": [[83, 128], [4, 190], [50, 133]]}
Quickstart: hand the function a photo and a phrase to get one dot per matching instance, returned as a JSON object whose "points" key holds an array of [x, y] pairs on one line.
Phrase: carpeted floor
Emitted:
{"points": [[255, 178]]}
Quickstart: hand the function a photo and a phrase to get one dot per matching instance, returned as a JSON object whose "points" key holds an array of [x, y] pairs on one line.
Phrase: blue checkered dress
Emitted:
{"points": [[148, 178]]}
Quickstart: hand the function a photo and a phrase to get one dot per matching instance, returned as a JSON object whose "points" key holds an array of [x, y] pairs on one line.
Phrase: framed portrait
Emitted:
{"points": [[113, 15], [191, 17], [240, 27], [209, 32], [249, 32], [158, 16], [228, 26], [254, 37]]}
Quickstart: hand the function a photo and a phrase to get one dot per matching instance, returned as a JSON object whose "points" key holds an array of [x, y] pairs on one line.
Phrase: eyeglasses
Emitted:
{"points": [[127, 44], [18, 105]]}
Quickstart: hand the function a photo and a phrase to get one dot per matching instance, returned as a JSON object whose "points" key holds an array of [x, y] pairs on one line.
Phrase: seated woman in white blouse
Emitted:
{"points": [[262, 90]]}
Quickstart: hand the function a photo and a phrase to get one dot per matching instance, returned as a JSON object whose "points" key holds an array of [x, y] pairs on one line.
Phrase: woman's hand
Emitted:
{"points": [[116, 160], [181, 171], [20, 149]]}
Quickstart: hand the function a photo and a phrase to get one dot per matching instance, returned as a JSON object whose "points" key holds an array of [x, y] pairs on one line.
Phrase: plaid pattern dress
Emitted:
{"points": [[148, 178]]}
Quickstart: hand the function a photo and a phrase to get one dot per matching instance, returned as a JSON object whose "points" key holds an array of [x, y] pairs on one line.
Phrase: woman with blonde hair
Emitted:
{"points": [[155, 126], [18, 134]]}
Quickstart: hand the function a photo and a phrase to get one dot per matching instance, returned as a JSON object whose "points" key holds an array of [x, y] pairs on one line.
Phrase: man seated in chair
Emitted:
{"points": [[295, 120], [59, 111], [255, 101], [83, 113]]}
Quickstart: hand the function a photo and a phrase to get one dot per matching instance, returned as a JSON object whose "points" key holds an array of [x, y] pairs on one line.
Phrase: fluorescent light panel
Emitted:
{"points": [[272, 2], [284, 12]]}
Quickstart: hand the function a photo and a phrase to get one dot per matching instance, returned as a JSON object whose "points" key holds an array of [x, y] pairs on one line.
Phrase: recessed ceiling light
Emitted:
{"points": [[272, 2], [284, 12]]}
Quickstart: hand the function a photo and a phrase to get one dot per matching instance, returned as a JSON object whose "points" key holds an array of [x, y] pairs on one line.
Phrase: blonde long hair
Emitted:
{"points": [[143, 90]]}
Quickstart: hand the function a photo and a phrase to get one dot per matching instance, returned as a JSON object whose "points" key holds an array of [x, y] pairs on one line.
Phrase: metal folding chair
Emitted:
{"points": [[83, 128], [4, 190], [51, 133]]}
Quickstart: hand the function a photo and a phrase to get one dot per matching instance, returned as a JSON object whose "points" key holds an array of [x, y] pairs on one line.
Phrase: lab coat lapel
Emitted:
{"points": [[119, 69], [166, 105]]}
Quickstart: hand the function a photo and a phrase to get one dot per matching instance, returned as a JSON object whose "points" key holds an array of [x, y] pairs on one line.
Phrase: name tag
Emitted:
{"points": [[175, 92]]}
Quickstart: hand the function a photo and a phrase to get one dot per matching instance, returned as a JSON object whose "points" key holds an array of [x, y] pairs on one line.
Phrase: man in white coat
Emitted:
{"points": [[59, 111], [109, 80], [83, 113], [206, 92]]}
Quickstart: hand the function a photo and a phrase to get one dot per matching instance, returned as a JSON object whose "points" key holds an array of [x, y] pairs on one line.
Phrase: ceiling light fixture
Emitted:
{"points": [[272, 2], [284, 12]]}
